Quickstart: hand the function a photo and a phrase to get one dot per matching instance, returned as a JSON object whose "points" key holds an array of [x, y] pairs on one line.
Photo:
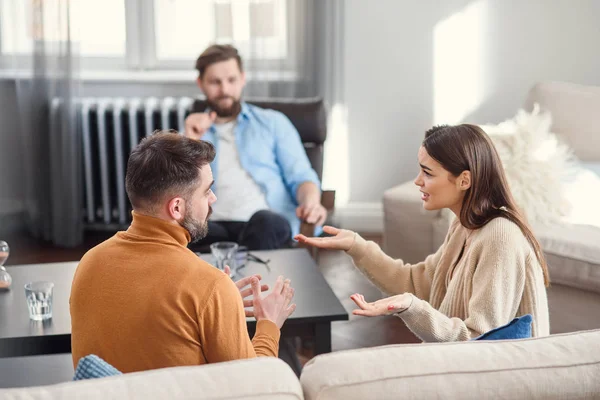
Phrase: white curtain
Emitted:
{"points": [[50, 145]]}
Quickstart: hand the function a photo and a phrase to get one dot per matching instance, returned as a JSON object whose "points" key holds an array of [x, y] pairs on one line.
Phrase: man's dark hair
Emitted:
{"points": [[165, 163], [217, 53]]}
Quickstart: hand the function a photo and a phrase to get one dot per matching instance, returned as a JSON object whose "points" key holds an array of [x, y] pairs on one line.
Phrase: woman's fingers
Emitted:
{"points": [[331, 230]]}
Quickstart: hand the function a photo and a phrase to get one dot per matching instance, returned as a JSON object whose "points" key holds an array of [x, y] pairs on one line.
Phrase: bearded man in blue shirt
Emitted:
{"points": [[263, 179]]}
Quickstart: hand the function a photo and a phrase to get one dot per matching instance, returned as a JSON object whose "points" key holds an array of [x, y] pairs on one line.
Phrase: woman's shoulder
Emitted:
{"points": [[501, 230]]}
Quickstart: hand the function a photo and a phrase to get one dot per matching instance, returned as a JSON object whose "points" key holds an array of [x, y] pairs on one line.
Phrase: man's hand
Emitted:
{"points": [[275, 307], [246, 292], [312, 213], [197, 124]]}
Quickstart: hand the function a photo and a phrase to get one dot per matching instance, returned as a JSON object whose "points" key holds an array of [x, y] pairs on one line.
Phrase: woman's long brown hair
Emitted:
{"points": [[468, 148]]}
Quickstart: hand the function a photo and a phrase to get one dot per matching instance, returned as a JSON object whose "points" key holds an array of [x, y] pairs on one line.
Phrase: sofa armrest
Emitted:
{"points": [[410, 232]]}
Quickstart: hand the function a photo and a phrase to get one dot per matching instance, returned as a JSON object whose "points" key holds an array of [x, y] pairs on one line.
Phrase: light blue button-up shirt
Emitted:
{"points": [[270, 149]]}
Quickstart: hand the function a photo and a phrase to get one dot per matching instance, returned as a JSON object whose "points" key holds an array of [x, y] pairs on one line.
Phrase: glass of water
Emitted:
{"points": [[224, 254], [39, 300]]}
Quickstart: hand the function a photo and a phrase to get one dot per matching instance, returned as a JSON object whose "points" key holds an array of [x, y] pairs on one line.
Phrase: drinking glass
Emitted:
{"points": [[39, 300], [224, 254]]}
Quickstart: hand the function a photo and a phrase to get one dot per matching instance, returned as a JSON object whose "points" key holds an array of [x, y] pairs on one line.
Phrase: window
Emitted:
{"points": [[149, 34]]}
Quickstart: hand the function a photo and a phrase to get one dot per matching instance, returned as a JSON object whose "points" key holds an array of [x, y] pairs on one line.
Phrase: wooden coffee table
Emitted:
{"points": [[317, 305]]}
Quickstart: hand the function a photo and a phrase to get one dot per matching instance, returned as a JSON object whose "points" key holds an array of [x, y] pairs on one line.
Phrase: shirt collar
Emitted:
{"points": [[244, 114], [158, 229]]}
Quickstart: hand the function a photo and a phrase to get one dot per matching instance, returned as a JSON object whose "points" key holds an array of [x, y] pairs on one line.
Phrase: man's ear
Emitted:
{"points": [[176, 208], [464, 180], [199, 83]]}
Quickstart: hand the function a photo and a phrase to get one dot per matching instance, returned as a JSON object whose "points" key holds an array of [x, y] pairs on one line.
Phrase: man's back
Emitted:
{"points": [[141, 300]]}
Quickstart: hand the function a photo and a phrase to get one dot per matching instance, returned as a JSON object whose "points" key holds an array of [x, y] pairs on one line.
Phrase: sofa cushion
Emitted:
{"points": [[572, 253], [575, 116], [518, 328], [259, 378], [557, 367], [92, 366]]}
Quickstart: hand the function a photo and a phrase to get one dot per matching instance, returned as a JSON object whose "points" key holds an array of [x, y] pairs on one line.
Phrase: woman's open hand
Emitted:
{"points": [[387, 306], [343, 239]]}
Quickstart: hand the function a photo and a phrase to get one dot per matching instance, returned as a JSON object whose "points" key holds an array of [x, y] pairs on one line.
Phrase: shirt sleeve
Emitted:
{"points": [[291, 156], [223, 330]]}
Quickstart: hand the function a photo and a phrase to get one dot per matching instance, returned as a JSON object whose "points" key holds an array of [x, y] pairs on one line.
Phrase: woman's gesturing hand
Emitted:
{"points": [[387, 306], [342, 240]]}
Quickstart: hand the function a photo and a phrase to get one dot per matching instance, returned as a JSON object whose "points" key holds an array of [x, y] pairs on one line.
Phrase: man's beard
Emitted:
{"points": [[197, 230], [225, 112]]}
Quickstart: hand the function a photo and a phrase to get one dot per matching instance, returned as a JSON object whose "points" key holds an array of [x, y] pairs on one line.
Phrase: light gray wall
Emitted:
{"points": [[389, 62]]}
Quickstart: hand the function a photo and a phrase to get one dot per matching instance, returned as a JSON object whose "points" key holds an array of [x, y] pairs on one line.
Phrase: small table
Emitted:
{"points": [[317, 305]]}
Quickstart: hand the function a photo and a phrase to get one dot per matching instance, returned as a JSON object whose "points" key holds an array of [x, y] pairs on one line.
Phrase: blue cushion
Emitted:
{"points": [[93, 366], [518, 328]]}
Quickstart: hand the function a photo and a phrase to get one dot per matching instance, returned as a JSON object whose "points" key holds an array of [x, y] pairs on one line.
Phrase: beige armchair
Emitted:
{"points": [[572, 251]]}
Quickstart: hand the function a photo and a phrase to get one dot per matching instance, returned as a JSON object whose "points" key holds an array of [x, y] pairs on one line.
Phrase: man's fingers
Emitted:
{"points": [[278, 285], [245, 281], [255, 287], [289, 295], [248, 303], [246, 292], [249, 313], [227, 272], [299, 211], [290, 310], [213, 116], [322, 217], [312, 216], [286, 287]]}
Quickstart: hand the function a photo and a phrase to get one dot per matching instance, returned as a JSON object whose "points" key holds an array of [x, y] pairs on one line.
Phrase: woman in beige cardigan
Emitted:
{"points": [[490, 268]]}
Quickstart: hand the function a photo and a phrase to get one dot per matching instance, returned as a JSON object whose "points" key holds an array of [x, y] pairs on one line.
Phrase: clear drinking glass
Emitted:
{"points": [[225, 254], [5, 278], [39, 300]]}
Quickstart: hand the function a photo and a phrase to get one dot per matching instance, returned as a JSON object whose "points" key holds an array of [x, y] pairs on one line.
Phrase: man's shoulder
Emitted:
{"points": [[266, 115]]}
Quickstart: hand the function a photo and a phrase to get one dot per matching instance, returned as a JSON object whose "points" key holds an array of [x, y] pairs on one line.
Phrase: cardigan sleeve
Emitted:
{"points": [[498, 264], [394, 276]]}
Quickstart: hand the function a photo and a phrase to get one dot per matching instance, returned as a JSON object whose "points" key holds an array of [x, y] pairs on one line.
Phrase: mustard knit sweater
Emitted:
{"points": [[458, 297], [142, 300]]}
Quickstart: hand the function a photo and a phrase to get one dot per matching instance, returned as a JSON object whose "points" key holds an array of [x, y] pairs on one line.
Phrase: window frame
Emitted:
{"points": [[141, 53]]}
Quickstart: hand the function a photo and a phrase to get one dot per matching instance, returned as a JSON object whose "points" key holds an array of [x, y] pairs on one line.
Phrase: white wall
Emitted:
{"points": [[483, 56]]}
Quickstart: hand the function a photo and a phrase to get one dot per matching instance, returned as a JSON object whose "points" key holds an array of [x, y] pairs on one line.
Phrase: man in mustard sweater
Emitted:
{"points": [[142, 300]]}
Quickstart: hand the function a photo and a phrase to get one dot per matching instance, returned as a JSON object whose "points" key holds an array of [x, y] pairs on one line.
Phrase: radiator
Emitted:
{"points": [[110, 129]]}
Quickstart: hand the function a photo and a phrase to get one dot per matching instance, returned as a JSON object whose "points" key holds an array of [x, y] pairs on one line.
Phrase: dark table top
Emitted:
{"points": [[315, 300]]}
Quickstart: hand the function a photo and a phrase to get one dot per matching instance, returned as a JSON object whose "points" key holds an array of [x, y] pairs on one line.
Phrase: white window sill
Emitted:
{"points": [[162, 76]]}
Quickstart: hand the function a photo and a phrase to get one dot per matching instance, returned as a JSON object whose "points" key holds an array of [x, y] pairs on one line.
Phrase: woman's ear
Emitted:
{"points": [[464, 180]]}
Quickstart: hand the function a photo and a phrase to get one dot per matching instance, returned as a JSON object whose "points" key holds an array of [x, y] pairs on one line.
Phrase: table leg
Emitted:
{"points": [[322, 337]]}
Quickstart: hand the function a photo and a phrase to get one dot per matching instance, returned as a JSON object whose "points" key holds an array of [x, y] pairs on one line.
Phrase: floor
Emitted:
{"points": [[337, 268]]}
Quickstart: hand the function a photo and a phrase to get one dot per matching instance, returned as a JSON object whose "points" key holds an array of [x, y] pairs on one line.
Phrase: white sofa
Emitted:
{"points": [[572, 251], [563, 366]]}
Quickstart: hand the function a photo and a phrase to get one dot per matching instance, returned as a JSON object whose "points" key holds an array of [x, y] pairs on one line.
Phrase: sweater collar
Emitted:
{"points": [[158, 229]]}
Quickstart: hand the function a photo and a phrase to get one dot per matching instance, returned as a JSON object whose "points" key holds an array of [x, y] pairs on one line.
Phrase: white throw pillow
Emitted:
{"points": [[537, 164]]}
